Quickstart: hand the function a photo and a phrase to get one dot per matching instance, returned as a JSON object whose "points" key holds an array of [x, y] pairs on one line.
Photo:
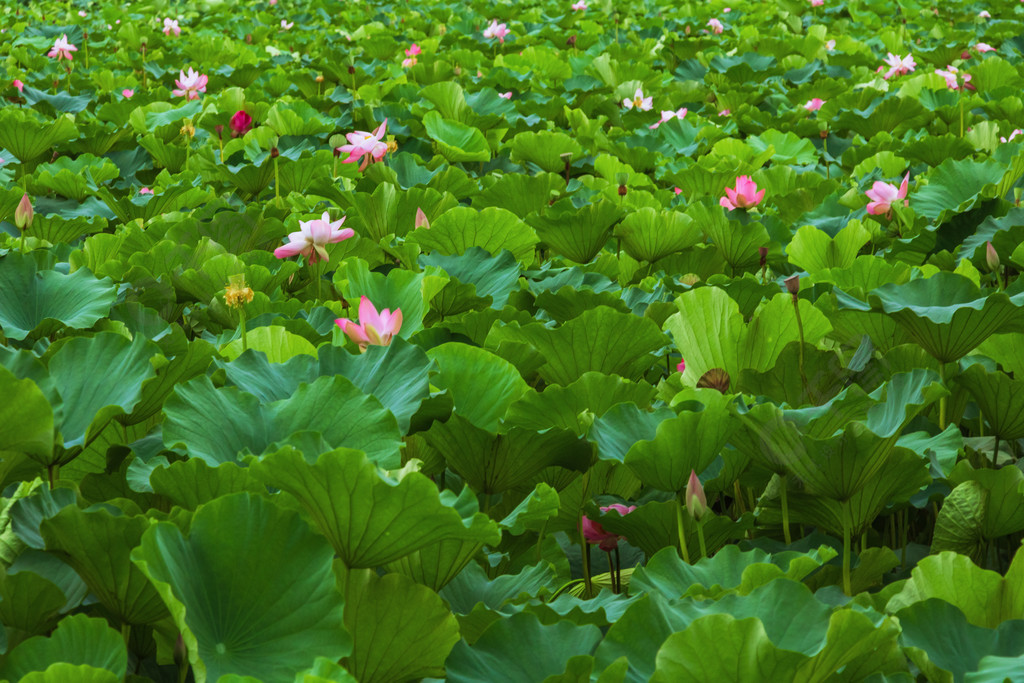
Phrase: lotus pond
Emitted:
{"points": [[544, 341]]}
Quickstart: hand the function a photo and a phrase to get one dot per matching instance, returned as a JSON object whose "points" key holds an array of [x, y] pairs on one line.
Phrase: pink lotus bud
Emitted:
{"points": [[696, 501], [19, 85], [24, 214], [240, 123], [421, 219], [991, 257], [681, 365]]}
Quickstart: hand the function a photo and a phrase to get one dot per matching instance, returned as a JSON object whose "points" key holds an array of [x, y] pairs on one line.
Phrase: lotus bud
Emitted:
{"points": [[219, 130], [585, 418], [1017, 193], [681, 365], [421, 219], [763, 253], [248, 38], [571, 42], [319, 78], [696, 501], [793, 285], [23, 214], [991, 257], [237, 293], [621, 179]]}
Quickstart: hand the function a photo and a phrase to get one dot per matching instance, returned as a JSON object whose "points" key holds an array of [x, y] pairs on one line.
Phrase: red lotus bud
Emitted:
{"points": [[241, 122], [23, 214], [696, 501]]}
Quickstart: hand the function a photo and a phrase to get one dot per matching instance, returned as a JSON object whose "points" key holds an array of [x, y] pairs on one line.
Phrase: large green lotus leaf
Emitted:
{"points": [[599, 340], [688, 442], [63, 672], [192, 361], [278, 344], [391, 520], [738, 242], [948, 644], [482, 385], [401, 630], [1007, 350], [395, 374], [28, 512], [399, 289], [191, 483], [458, 229], [895, 114], [731, 570], [568, 302], [242, 548], [815, 251], [97, 545], [654, 526], [898, 401], [500, 654], [639, 633], [254, 373], [77, 640], [323, 671], [26, 418], [26, 137], [992, 669], [89, 405], [946, 314], [297, 118], [173, 198], [534, 511], [623, 425], [710, 332], [720, 647], [823, 370], [38, 303], [578, 234], [574, 407], [985, 505], [456, 141], [30, 605], [649, 235], [545, 148], [495, 277], [521, 194], [491, 463], [789, 148], [331, 406], [1000, 399], [954, 186], [986, 598]]}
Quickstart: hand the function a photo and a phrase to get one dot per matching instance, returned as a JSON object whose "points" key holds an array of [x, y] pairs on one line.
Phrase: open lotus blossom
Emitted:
{"points": [[724, 112], [883, 195], [639, 101], [667, 115], [593, 532], [681, 365], [286, 25], [898, 66], [190, 84], [715, 25], [373, 328], [410, 55], [312, 236], [241, 123], [18, 84], [677, 190], [1015, 133], [982, 48], [145, 190], [984, 14], [954, 77], [62, 49], [364, 143], [579, 6], [496, 30], [817, 3], [830, 45], [743, 196], [505, 95], [127, 93], [814, 104], [171, 26]]}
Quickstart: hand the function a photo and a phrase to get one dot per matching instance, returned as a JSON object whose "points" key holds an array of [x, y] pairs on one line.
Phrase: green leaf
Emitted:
{"points": [[389, 522], [399, 289], [499, 655], [276, 342], [457, 230], [813, 250], [191, 483], [574, 406], [545, 148], [26, 418], [578, 234], [1000, 399], [482, 384], [456, 141], [27, 138], [954, 187], [242, 632], [39, 303], [77, 640], [401, 630], [68, 673], [494, 277], [649, 235]]}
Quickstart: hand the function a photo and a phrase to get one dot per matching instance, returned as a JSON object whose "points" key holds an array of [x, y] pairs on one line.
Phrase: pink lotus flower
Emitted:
{"points": [[984, 14], [1015, 133], [593, 532], [62, 49], [743, 196], [171, 26], [953, 77], [410, 55], [374, 328], [678, 191], [190, 84], [639, 101], [363, 143], [724, 112], [716, 26], [830, 45], [145, 190], [883, 195], [241, 123], [982, 48], [579, 6], [667, 115], [817, 3], [312, 237], [82, 13], [421, 220], [681, 365], [897, 65], [505, 95], [18, 84], [127, 93], [286, 25], [496, 30], [696, 501], [814, 104]]}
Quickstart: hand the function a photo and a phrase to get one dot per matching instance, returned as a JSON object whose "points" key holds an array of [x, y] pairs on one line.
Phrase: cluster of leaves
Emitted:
{"points": [[236, 493]]}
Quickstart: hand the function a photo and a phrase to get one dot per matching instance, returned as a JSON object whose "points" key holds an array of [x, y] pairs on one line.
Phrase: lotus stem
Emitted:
{"points": [[995, 452], [241, 327], [903, 538], [54, 474], [981, 423], [126, 632], [618, 570], [680, 530], [864, 541], [585, 560], [961, 98], [277, 185], [611, 570], [700, 538], [738, 496], [784, 494], [942, 400], [847, 587], [800, 331]]}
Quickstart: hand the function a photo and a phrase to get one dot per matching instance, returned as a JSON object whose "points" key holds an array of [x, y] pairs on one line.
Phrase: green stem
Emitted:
{"points": [[618, 570], [800, 330], [241, 326], [785, 510], [942, 401], [277, 185], [126, 632], [995, 453], [961, 98], [700, 539], [584, 546], [847, 588], [681, 531], [23, 250]]}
